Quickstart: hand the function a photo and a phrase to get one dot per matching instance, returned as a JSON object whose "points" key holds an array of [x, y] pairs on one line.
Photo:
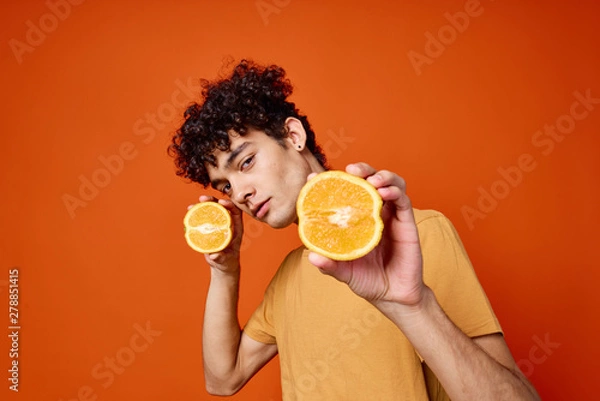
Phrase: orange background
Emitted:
{"points": [[93, 84]]}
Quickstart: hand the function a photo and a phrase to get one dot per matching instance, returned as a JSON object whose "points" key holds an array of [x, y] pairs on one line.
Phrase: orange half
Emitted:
{"points": [[339, 215], [208, 227]]}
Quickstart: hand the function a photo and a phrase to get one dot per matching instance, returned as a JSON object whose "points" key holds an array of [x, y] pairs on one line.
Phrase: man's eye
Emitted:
{"points": [[226, 188], [248, 162]]}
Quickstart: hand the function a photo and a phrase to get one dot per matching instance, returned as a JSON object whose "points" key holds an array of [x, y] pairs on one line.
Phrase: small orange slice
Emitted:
{"points": [[339, 215], [207, 227]]}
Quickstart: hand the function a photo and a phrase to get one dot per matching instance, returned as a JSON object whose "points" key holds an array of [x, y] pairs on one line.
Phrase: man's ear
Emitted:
{"points": [[296, 135]]}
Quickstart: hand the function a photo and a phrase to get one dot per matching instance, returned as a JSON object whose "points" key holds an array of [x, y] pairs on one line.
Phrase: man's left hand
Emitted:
{"points": [[393, 271]]}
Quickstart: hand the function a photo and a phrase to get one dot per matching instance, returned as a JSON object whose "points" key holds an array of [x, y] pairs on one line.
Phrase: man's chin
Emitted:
{"points": [[280, 223]]}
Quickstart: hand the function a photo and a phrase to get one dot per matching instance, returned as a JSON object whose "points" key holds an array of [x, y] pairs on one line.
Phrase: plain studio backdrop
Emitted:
{"points": [[489, 109]]}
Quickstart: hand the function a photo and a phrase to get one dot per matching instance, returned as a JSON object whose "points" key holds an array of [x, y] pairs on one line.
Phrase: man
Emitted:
{"points": [[407, 321]]}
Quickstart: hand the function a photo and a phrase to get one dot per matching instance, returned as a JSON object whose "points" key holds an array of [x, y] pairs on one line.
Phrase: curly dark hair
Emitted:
{"points": [[252, 96]]}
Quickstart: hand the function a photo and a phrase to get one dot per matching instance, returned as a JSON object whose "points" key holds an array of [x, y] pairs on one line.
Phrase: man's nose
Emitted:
{"points": [[243, 192]]}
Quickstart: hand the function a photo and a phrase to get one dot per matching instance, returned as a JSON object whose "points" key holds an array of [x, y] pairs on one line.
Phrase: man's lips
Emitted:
{"points": [[261, 209]]}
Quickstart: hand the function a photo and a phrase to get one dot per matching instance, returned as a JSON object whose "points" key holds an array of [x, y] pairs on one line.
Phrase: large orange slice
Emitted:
{"points": [[339, 215], [207, 227]]}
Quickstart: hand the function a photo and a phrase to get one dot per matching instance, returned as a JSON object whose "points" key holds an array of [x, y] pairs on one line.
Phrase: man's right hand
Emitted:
{"points": [[230, 356], [227, 260]]}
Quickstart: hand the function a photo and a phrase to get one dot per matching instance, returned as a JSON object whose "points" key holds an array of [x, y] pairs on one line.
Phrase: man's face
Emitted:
{"points": [[261, 176]]}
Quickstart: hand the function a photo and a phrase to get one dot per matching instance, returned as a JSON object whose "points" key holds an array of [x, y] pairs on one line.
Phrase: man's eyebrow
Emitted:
{"points": [[215, 183], [235, 153]]}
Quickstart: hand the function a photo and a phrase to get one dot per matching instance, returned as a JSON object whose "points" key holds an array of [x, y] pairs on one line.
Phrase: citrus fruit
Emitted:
{"points": [[207, 227], [339, 215]]}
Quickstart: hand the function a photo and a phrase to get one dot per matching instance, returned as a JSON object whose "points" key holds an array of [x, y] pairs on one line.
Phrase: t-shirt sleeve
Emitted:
{"points": [[448, 271], [260, 325]]}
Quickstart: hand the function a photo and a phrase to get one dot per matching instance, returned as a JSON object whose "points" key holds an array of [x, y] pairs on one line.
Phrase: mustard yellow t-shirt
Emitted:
{"points": [[334, 345]]}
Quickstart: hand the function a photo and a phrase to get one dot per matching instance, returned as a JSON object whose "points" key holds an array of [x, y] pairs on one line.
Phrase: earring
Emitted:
{"points": [[299, 146]]}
